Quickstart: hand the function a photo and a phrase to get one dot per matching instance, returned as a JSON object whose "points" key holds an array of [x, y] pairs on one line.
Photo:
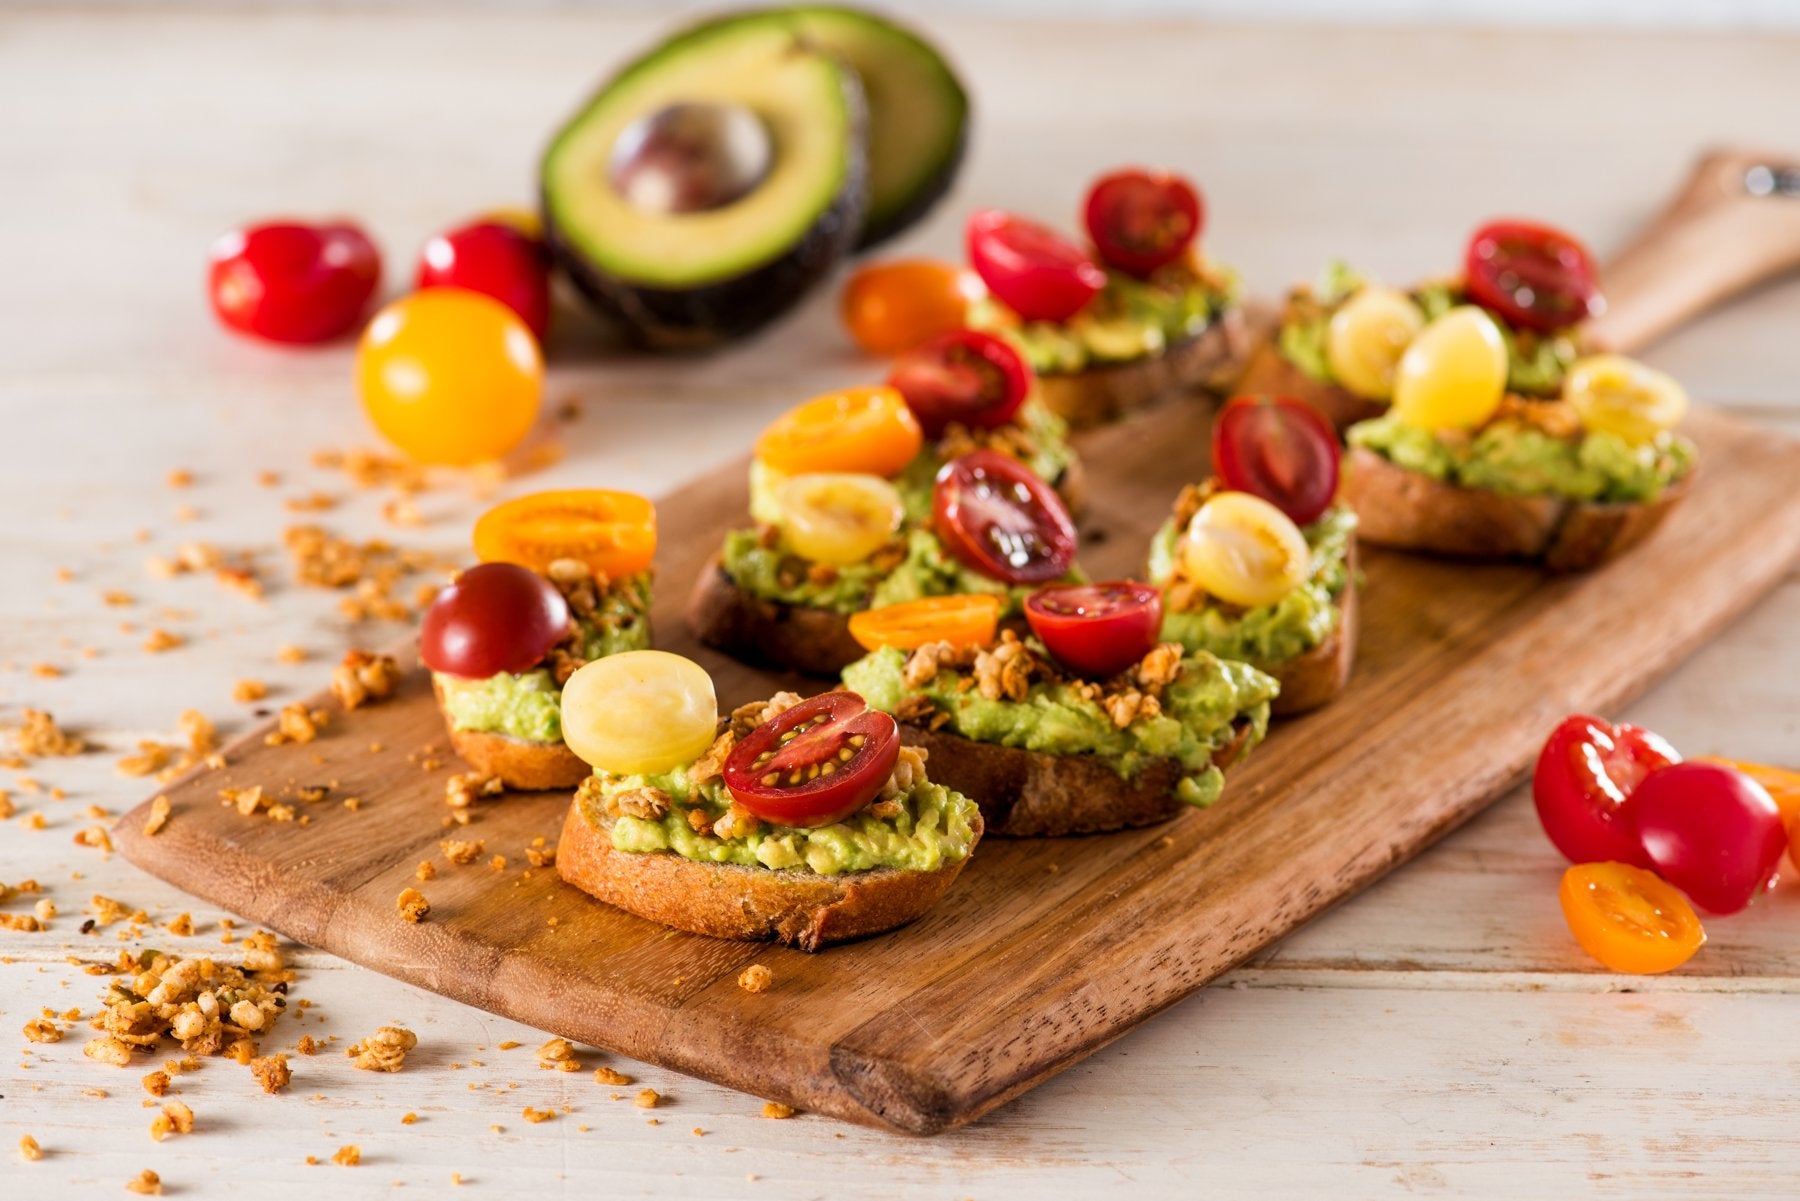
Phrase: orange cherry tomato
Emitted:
{"points": [[1629, 919], [969, 620], [1783, 785], [889, 308], [612, 532], [859, 430]]}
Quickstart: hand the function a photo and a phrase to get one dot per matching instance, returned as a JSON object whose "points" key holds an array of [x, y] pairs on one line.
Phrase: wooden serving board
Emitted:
{"points": [[1045, 949]]}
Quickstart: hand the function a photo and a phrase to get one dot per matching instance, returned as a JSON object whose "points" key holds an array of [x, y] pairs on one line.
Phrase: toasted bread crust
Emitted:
{"points": [[747, 627], [798, 907], [1271, 373], [522, 766], [1411, 511], [1208, 359], [1316, 677]]}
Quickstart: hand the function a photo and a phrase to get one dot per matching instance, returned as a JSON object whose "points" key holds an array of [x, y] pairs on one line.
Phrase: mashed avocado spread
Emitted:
{"points": [[1270, 634], [934, 827], [1196, 716]]}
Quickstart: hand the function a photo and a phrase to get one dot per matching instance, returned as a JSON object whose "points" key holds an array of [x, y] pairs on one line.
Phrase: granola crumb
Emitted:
{"points": [[456, 1178], [383, 1051], [609, 1076], [158, 817], [157, 1083], [407, 1119], [289, 653], [296, 723], [347, 1156], [180, 477], [412, 905], [29, 1149], [308, 1045], [271, 1072], [427, 870], [43, 1030], [96, 837], [461, 851], [558, 1054], [755, 978], [39, 735], [507, 1045], [647, 1098], [249, 690], [461, 791], [146, 1183], [181, 925], [362, 678], [538, 1115], [775, 1109], [159, 640]]}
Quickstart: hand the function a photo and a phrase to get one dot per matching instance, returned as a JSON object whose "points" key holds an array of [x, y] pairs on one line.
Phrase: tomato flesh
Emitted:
{"points": [[1142, 220], [1280, 449], [1711, 831], [1628, 919], [495, 258], [1097, 630], [1001, 520], [889, 308], [287, 281], [494, 617], [964, 377], [614, 533], [1031, 269], [1535, 276], [854, 430], [816, 763], [1583, 779]]}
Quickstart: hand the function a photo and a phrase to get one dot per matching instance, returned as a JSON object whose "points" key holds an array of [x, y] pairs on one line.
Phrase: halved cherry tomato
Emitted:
{"points": [[492, 618], [965, 376], [287, 281], [1709, 830], [1001, 520], [889, 308], [1535, 276], [861, 430], [966, 620], [838, 517], [1617, 395], [496, 258], [1584, 776], [1032, 270], [1628, 919], [614, 533], [1280, 449], [639, 712], [1097, 630], [1245, 551], [1366, 338], [816, 763], [1140, 220]]}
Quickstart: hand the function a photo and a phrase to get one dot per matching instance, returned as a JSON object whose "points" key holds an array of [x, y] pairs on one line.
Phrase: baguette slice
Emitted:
{"points": [[1271, 373], [797, 906], [770, 633], [1411, 511], [1209, 359], [1028, 794], [1316, 677], [522, 765]]}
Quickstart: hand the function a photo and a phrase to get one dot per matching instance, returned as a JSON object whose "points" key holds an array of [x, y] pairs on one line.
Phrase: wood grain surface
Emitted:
{"points": [[1069, 942]]}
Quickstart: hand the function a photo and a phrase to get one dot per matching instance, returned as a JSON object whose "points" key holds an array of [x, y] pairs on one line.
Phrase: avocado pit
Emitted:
{"points": [[691, 157]]}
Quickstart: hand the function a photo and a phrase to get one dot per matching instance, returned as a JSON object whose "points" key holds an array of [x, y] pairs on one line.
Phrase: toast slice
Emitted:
{"points": [[795, 906], [770, 633], [1316, 677], [1209, 359], [1271, 373], [1409, 510], [522, 765]]}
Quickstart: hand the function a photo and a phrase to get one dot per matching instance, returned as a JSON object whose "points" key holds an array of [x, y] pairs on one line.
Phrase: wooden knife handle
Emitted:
{"points": [[1729, 228]]}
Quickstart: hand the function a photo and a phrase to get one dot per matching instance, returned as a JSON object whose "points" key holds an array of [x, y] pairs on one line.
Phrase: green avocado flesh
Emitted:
{"points": [[1130, 319], [1198, 712], [1270, 634], [935, 827]]}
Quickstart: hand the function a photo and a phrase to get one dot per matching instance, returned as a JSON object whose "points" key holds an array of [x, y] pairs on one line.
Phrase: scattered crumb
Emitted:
{"points": [[755, 978], [157, 1083], [558, 1054], [96, 837], [383, 1051], [775, 1109], [538, 1115], [426, 870], [412, 905], [28, 1148], [609, 1076], [271, 1072], [363, 678], [461, 791], [462, 852], [181, 477], [407, 1119], [289, 653], [176, 1118], [38, 734], [145, 1182], [158, 817], [506, 1045], [648, 1098], [43, 1030], [159, 640], [297, 723], [347, 1156], [249, 690]]}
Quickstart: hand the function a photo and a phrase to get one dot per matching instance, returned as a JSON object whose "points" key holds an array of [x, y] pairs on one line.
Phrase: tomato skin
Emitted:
{"points": [[1711, 831], [1628, 919], [1097, 630], [1280, 449], [1535, 276], [492, 618], [966, 620], [815, 733], [1583, 781], [889, 308], [1001, 520], [290, 282], [854, 430], [967, 377], [1141, 220], [614, 533], [1030, 268], [495, 258]]}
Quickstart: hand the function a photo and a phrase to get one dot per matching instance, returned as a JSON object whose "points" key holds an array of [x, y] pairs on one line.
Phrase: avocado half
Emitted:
{"points": [[688, 280]]}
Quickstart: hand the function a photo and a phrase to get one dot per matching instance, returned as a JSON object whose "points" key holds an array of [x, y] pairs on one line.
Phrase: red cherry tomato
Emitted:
{"points": [[1709, 830], [1140, 220], [291, 282], [495, 258], [1032, 270], [1535, 276], [816, 763], [496, 617], [1280, 449], [964, 376], [1097, 630], [1585, 773], [1001, 520]]}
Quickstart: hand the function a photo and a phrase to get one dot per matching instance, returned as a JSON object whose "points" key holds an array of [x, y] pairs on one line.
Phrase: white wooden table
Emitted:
{"points": [[1439, 1035]]}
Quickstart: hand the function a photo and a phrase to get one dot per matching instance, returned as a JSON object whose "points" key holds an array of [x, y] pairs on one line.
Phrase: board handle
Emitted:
{"points": [[1734, 224]]}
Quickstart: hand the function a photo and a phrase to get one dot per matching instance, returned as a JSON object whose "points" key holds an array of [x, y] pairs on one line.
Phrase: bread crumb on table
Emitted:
{"points": [[412, 905], [407, 1119], [146, 1183], [775, 1109], [647, 1098], [247, 691], [272, 1072], [363, 678], [538, 1115], [157, 1083], [383, 1051], [609, 1076], [347, 1156], [29, 1149], [558, 1054], [755, 978]]}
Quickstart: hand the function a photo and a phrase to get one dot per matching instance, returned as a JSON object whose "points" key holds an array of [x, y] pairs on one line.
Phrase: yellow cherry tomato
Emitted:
{"points": [[1366, 338], [839, 517], [639, 712], [1617, 395], [1453, 375], [450, 376], [1628, 918], [1244, 550], [858, 429]]}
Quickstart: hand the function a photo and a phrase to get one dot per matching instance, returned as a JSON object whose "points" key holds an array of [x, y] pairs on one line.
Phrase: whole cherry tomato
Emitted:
{"points": [[1032, 270], [614, 533], [496, 258], [1535, 276], [889, 308], [1711, 831], [1141, 220], [494, 617], [816, 763], [1001, 520], [1584, 775], [1280, 449], [963, 620], [287, 281], [1097, 630], [1628, 919], [966, 377]]}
